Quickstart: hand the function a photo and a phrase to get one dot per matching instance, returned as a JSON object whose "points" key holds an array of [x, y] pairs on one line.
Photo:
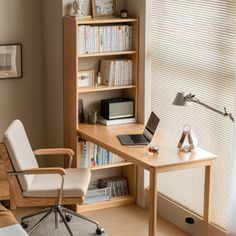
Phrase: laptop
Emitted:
{"points": [[141, 139]]}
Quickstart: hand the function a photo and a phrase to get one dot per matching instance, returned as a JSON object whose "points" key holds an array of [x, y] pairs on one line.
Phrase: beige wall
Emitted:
{"points": [[20, 22]]}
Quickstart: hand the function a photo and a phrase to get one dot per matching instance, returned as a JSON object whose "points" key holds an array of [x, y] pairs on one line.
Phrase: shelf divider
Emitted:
{"points": [[103, 54], [113, 165], [101, 88]]}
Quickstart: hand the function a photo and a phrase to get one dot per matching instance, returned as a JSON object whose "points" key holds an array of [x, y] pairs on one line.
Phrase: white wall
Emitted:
{"points": [[20, 22]]}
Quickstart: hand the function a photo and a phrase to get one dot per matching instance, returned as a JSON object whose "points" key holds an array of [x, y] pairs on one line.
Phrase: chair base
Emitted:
{"points": [[58, 210]]}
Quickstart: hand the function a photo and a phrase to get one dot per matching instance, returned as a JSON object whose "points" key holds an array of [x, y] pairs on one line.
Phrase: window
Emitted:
{"points": [[191, 49]]}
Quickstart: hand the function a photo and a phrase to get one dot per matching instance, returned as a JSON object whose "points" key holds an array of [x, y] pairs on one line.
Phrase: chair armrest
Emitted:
{"points": [[46, 170], [56, 151]]}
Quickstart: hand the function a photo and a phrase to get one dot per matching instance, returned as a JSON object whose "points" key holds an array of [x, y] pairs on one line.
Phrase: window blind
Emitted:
{"points": [[191, 49]]}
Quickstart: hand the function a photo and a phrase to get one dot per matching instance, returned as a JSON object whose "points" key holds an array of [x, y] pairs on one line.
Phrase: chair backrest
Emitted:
{"points": [[20, 151]]}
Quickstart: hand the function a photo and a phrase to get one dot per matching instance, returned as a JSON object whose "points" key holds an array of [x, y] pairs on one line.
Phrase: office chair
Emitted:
{"points": [[34, 186]]}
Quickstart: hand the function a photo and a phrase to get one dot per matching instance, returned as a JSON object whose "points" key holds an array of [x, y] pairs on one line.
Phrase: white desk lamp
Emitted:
{"points": [[183, 99]]}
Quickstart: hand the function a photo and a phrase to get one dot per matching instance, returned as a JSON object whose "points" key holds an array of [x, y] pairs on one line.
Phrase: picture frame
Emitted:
{"points": [[104, 8], [85, 78], [11, 61]]}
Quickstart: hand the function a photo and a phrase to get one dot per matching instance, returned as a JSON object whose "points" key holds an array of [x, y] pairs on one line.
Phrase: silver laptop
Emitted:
{"points": [[141, 139]]}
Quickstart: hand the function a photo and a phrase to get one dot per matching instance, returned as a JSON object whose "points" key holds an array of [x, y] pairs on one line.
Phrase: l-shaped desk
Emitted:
{"points": [[168, 159]]}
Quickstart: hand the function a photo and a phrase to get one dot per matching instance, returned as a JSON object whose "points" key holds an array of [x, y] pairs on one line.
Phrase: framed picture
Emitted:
{"points": [[10, 61], [103, 8], [85, 78]]}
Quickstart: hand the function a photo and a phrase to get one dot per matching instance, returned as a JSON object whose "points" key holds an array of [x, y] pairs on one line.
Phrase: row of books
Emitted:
{"points": [[95, 39], [94, 155], [116, 72]]}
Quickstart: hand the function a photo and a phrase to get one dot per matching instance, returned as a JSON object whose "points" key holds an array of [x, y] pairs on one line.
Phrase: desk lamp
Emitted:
{"points": [[183, 99]]}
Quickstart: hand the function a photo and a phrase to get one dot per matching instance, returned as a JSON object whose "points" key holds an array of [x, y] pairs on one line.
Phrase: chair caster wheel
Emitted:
{"points": [[99, 231], [68, 217], [24, 225]]}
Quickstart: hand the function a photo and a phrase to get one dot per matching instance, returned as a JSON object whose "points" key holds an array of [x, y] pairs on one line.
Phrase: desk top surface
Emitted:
{"points": [[169, 156]]}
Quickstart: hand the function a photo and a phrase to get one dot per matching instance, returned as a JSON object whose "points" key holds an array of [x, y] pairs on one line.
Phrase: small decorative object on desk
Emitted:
{"points": [[81, 111], [123, 14], [153, 150], [77, 6], [191, 137], [99, 79], [92, 116]]}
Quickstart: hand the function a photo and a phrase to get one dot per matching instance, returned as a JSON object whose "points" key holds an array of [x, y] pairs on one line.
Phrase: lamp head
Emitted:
{"points": [[180, 99]]}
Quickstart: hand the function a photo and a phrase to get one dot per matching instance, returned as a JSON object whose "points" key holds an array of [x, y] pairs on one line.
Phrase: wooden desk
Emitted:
{"points": [[168, 159]]}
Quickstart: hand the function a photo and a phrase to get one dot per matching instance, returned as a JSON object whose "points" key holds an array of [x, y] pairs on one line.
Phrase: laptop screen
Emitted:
{"points": [[151, 126]]}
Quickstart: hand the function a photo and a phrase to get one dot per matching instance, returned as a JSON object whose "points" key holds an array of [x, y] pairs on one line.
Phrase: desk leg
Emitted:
{"points": [[153, 203], [207, 194]]}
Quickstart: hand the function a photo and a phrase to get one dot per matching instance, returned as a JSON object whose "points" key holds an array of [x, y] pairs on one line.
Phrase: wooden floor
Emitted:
{"points": [[122, 221]]}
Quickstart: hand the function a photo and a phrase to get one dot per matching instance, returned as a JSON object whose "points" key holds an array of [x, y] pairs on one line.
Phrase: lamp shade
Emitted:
{"points": [[180, 100]]}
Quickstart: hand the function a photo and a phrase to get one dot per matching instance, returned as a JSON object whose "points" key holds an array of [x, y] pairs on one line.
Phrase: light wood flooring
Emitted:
{"points": [[122, 221]]}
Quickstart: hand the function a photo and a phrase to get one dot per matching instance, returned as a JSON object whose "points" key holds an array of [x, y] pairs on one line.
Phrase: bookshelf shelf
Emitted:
{"points": [[91, 35], [102, 88], [100, 167], [114, 202], [110, 20], [103, 54]]}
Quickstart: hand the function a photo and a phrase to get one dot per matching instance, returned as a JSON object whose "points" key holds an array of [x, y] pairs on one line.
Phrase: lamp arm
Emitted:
{"points": [[224, 113], [209, 107]]}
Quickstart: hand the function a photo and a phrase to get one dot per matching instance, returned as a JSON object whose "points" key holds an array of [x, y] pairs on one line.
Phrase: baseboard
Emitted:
{"points": [[176, 214]]}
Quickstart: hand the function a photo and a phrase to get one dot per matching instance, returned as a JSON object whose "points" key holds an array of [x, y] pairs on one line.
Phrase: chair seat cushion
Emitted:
{"points": [[76, 183]]}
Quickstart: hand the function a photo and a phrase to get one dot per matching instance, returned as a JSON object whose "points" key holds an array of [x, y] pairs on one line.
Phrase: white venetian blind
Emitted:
{"points": [[191, 49]]}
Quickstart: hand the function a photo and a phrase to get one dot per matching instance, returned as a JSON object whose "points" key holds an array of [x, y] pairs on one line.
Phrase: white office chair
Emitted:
{"points": [[36, 186]]}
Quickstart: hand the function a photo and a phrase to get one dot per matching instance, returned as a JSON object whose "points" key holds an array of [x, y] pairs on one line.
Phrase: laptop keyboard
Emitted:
{"points": [[137, 138], [132, 139]]}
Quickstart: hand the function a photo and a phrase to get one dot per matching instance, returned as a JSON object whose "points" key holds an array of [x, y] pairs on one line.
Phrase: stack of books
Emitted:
{"points": [[103, 121], [95, 194], [95, 39], [118, 185], [116, 72], [94, 155]]}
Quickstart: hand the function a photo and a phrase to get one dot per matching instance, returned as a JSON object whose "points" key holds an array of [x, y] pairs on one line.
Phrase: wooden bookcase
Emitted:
{"points": [[74, 62]]}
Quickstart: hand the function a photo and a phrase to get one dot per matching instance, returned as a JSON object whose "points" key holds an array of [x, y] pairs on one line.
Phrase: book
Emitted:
{"points": [[116, 72], [106, 72], [103, 121]]}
